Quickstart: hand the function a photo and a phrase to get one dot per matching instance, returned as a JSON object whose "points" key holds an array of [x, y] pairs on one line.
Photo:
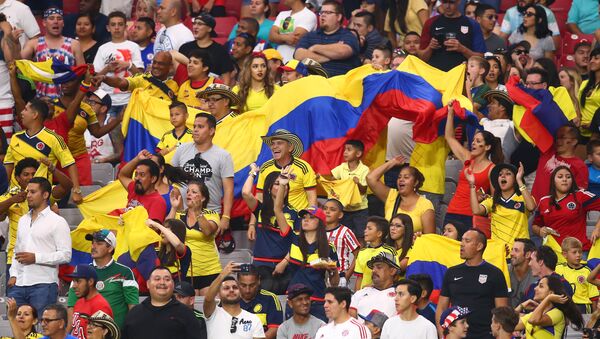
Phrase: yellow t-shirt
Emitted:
{"points": [[187, 92], [364, 255], [583, 291], [510, 219], [343, 172], [255, 99], [423, 205], [305, 179], [430, 159], [592, 103], [15, 212], [205, 255], [412, 19], [141, 81], [85, 117], [550, 332], [170, 139]]}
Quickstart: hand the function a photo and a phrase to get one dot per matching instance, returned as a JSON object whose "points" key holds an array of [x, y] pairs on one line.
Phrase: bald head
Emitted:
{"points": [[161, 65], [169, 12]]}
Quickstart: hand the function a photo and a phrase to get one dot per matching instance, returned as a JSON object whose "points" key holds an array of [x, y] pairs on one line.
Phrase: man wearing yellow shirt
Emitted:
{"points": [[157, 83], [198, 79], [219, 99]]}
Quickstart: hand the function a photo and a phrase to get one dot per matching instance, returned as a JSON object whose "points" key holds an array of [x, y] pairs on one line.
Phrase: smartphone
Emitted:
{"points": [[245, 268]]}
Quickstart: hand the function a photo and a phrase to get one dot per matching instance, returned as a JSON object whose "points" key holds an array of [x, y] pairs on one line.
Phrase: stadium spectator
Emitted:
{"points": [[170, 178], [454, 322], [178, 116], [499, 121], [475, 86], [258, 301], [404, 198], [259, 10], [275, 61], [495, 76], [174, 33], [43, 242], [575, 272], [302, 324], [202, 226], [249, 26], [581, 57], [504, 321], [332, 45], [571, 80], [380, 295], [241, 52], [341, 324], [185, 294], [215, 8], [53, 45], [341, 237], [364, 23], [543, 263], [122, 294], [487, 17], [475, 284], [549, 65], [102, 326], [197, 78], [108, 147], [470, 8], [229, 318], [89, 299], [550, 310], [401, 237], [150, 318], [173, 253], [143, 34], [141, 187], [84, 29], [583, 17], [593, 157], [292, 70], [425, 307], [219, 100], [209, 163], [406, 16], [27, 319], [92, 8], [534, 30], [408, 323], [519, 271], [255, 85], [450, 38], [412, 41], [204, 31], [513, 18], [374, 321], [589, 94], [119, 58], [376, 233], [290, 26], [54, 322]]}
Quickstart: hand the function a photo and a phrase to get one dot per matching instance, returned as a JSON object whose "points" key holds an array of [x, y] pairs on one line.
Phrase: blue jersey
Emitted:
{"points": [[271, 244], [594, 179], [266, 307]]}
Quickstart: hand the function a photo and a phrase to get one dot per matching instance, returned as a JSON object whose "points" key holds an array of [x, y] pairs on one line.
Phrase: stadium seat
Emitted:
{"points": [[569, 40], [224, 27], [453, 168], [449, 189], [506, 4], [71, 6], [238, 256], [282, 7], [103, 173], [560, 8], [241, 241], [233, 8], [72, 215]]}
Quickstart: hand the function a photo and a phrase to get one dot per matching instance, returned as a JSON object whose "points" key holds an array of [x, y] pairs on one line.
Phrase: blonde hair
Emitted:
{"points": [[570, 243], [150, 5], [575, 77]]}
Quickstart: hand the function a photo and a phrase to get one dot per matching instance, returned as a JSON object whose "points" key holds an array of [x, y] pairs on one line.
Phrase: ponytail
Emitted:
{"points": [[495, 153]]}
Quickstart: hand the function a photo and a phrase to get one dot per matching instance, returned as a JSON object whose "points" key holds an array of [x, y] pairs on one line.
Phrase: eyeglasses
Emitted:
{"points": [[234, 321], [327, 12], [529, 14], [492, 17], [90, 101], [533, 83], [48, 320], [213, 100], [520, 51]]}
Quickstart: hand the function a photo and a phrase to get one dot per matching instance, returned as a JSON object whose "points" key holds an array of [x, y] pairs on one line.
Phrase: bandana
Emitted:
{"points": [[51, 11]]}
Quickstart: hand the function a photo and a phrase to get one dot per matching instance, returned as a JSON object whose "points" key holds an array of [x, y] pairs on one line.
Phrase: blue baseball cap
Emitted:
{"points": [[84, 272]]}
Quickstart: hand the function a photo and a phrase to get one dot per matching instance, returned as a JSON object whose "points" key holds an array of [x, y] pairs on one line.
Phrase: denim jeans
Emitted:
{"points": [[39, 295]]}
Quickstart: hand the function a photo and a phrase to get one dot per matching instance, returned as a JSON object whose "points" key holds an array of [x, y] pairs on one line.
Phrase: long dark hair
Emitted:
{"points": [[550, 67], [267, 212], [407, 238], [592, 83], [419, 177], [167, 254], [497, 197], [398, 10], [553, 192], [322, 243], [174, 175], [541, 22], [245, 81], [495, 153], [568, 309]]}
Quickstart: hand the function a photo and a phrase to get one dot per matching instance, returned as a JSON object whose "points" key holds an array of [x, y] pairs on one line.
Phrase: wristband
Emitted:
{"points": [[76, 191], [252, 173], [85, 86], [225, 216], [522, 188]]}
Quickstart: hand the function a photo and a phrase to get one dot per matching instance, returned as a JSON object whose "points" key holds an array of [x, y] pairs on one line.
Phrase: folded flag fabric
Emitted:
{"points": [[551, 242], [346, 191], [104, 200], [594, 255], [50, 71]]}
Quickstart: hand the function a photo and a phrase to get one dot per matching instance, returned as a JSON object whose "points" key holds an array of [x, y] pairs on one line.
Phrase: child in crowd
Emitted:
{"points": [[425, 307], [374, 322], [382, 57], [355, 216], [475, 86], [575, 272], [593, 152], [376, 231], [412, 41], [178, 135], [341, 237]]}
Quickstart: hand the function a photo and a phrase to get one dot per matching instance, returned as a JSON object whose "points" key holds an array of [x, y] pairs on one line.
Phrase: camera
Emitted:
{"points": [[440, 37], [246, 268]]}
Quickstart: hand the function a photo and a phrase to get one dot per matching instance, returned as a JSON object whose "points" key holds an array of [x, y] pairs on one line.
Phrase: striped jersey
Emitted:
{"points": [[345, 242], [351, 328]]}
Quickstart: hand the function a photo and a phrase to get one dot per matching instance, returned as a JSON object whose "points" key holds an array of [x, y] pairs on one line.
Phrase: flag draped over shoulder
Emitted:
{"points": [[434, 254], [324, 113], [50, 71], [538, 114]]}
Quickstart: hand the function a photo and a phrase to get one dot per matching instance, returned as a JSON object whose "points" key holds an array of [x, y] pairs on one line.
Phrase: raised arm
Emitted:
{"points": [[247, 194], [459, 151], [210, 304], [476, 207], [380, 189], [169, 235], [539, 317], [284, 179], [126, 173], [529, 200], [119, 83], [64, 182]]}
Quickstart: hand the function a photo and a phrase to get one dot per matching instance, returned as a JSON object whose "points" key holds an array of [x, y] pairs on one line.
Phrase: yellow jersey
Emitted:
{"points": [[15, 212], [508, 219], [555, 331], [170, 139], [188, 91], [305, 179], [423, 205], [343, 172], [592, 103], [85, 117], [255, 99], [141, 81], [205, 255], [583, 291], [364, 255]]}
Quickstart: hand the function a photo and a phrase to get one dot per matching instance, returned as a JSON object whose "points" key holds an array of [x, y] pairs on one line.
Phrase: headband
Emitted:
{"points": [[51, 11]]}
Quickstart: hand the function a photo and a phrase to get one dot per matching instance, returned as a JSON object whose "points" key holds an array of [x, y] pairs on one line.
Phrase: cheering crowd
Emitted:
{"points": [[341, 266]]}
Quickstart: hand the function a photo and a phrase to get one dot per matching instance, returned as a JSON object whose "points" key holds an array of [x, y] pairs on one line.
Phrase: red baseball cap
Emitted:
{"points": [[315, 212]]}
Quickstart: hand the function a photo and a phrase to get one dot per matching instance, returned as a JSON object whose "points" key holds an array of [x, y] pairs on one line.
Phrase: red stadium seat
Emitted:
{"points": [[506, 4], [233, 8], [224, 27], [282, 7], [569, 40], [566, 60], [500, 17], [71, 6], [560, 8]]}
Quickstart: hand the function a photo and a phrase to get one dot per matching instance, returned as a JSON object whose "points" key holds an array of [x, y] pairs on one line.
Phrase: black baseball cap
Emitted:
{"points": [[184, 289], [209, 21]]}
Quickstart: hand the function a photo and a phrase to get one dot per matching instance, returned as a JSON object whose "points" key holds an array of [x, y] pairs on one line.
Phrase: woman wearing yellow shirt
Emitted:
{"points": [[22, 320], [200, 235], [550, 306], [404, 199], [256, 84], [406, 16], [589, 93]]}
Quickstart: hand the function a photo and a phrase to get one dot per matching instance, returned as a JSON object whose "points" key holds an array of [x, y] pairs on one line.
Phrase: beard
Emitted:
{"points": [[226, 301], [138, 188]]}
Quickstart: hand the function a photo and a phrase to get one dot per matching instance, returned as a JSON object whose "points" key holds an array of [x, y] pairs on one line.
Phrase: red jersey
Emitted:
{"points": [[345, 242], [153, 202], [87, 307], [547, 163], [570, 219]]}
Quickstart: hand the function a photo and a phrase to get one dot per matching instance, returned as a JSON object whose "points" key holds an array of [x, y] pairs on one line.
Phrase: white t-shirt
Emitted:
{"points": [[168, 39], [396, 328], [350, 329], [122, 51], [286, 22], [505, 130], [20, 17], [219, 325], [369, 298], [99, 147]]}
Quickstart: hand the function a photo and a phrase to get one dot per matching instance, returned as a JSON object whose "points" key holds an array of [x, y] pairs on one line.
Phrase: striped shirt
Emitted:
{"points": [[350, 329], [345, 242]]}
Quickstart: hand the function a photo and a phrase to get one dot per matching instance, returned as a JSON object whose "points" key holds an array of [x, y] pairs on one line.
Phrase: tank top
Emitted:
{"points": [[64, 54], [460, 203]]}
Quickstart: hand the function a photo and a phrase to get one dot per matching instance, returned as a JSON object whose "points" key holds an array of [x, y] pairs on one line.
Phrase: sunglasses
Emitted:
{"points": [[529, 14], [492, 17], [521, 51]]}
